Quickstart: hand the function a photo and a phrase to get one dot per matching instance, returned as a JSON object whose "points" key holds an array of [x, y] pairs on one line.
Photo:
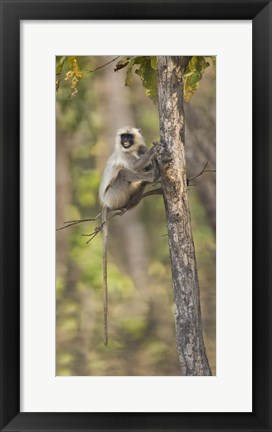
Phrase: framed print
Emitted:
{"points": [[104, 104]]}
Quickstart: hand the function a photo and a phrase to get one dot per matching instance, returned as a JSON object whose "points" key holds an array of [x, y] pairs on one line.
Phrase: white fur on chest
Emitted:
{"points": [[125, 160]]}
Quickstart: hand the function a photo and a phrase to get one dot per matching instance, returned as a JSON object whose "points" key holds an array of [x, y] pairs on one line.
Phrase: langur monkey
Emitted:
{"points": [[130, 167]]}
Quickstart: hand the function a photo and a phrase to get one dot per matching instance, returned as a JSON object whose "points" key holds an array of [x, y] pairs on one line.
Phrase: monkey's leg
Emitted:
{"points": [[136, 198], [157, 191]]}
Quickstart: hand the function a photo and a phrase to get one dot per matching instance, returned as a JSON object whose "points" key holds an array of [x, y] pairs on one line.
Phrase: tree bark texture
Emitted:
{"points": [[171, 159]]}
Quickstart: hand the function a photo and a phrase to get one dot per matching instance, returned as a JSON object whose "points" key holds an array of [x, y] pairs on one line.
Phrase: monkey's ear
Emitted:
{"points": [[139, 130]]}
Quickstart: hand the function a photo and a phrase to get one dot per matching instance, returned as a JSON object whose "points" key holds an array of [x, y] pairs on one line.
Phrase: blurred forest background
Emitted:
{"points": [[141, 312]]}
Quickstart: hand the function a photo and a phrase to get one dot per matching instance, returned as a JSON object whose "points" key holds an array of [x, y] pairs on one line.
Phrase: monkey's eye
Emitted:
{"points": [[126, 136]]}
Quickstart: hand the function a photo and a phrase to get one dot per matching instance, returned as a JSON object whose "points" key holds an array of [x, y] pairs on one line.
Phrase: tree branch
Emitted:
{"points": [[118, 212], [93, 234], [199, 174], [78, 221], [100, 67]]}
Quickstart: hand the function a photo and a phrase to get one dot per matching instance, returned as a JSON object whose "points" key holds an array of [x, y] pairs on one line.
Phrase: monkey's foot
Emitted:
{"points": [[122, 211]]}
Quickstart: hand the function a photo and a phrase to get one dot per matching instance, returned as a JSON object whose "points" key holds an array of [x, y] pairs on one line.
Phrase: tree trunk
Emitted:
{"points": [[171, 159]]}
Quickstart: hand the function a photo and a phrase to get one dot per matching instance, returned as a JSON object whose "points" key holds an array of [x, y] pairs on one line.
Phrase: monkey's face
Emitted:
{"points": [[127, 140]]}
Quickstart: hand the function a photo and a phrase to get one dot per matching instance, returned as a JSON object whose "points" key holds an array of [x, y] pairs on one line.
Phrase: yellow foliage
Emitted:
{"points": [[73, 75]]}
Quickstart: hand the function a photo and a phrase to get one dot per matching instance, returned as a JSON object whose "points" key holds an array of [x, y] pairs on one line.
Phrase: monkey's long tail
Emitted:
{"points": [[105, 272]]}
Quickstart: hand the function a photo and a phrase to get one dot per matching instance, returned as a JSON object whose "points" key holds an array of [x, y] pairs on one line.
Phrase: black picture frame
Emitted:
{"points": [[260, 12]]}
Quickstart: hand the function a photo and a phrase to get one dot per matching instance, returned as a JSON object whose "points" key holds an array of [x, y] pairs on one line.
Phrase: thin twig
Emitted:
{"points": [[100, 67], [93, 234], [83, 220], [78, 221], [200, 173]]}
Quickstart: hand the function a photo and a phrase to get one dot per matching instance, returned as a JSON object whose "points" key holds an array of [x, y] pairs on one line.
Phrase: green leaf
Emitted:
{"points": [[214, 64], [146, 70], [153, 62], [121, 64], [193, 75], [59, 67], [128, 80]]}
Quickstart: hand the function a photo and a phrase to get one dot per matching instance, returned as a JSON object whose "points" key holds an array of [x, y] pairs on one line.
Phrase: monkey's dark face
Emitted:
{"points": [[127, 140]]}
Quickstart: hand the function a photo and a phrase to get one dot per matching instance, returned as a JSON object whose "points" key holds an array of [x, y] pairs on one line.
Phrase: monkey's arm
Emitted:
{"points": [[110, 179], [131, 176], [144, 160]]}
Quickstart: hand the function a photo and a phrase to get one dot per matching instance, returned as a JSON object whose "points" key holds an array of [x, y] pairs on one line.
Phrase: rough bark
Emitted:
{"points": [[171, 159]]}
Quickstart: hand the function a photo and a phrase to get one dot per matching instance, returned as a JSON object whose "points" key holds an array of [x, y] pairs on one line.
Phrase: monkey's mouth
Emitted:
{"points": [[126, 144]]}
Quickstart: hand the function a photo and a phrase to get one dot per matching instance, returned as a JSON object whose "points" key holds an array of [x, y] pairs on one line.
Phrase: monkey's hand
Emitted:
{"points": [[155, 170], [145, 160], [156, 145], [155, 166], [158, 148]]}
